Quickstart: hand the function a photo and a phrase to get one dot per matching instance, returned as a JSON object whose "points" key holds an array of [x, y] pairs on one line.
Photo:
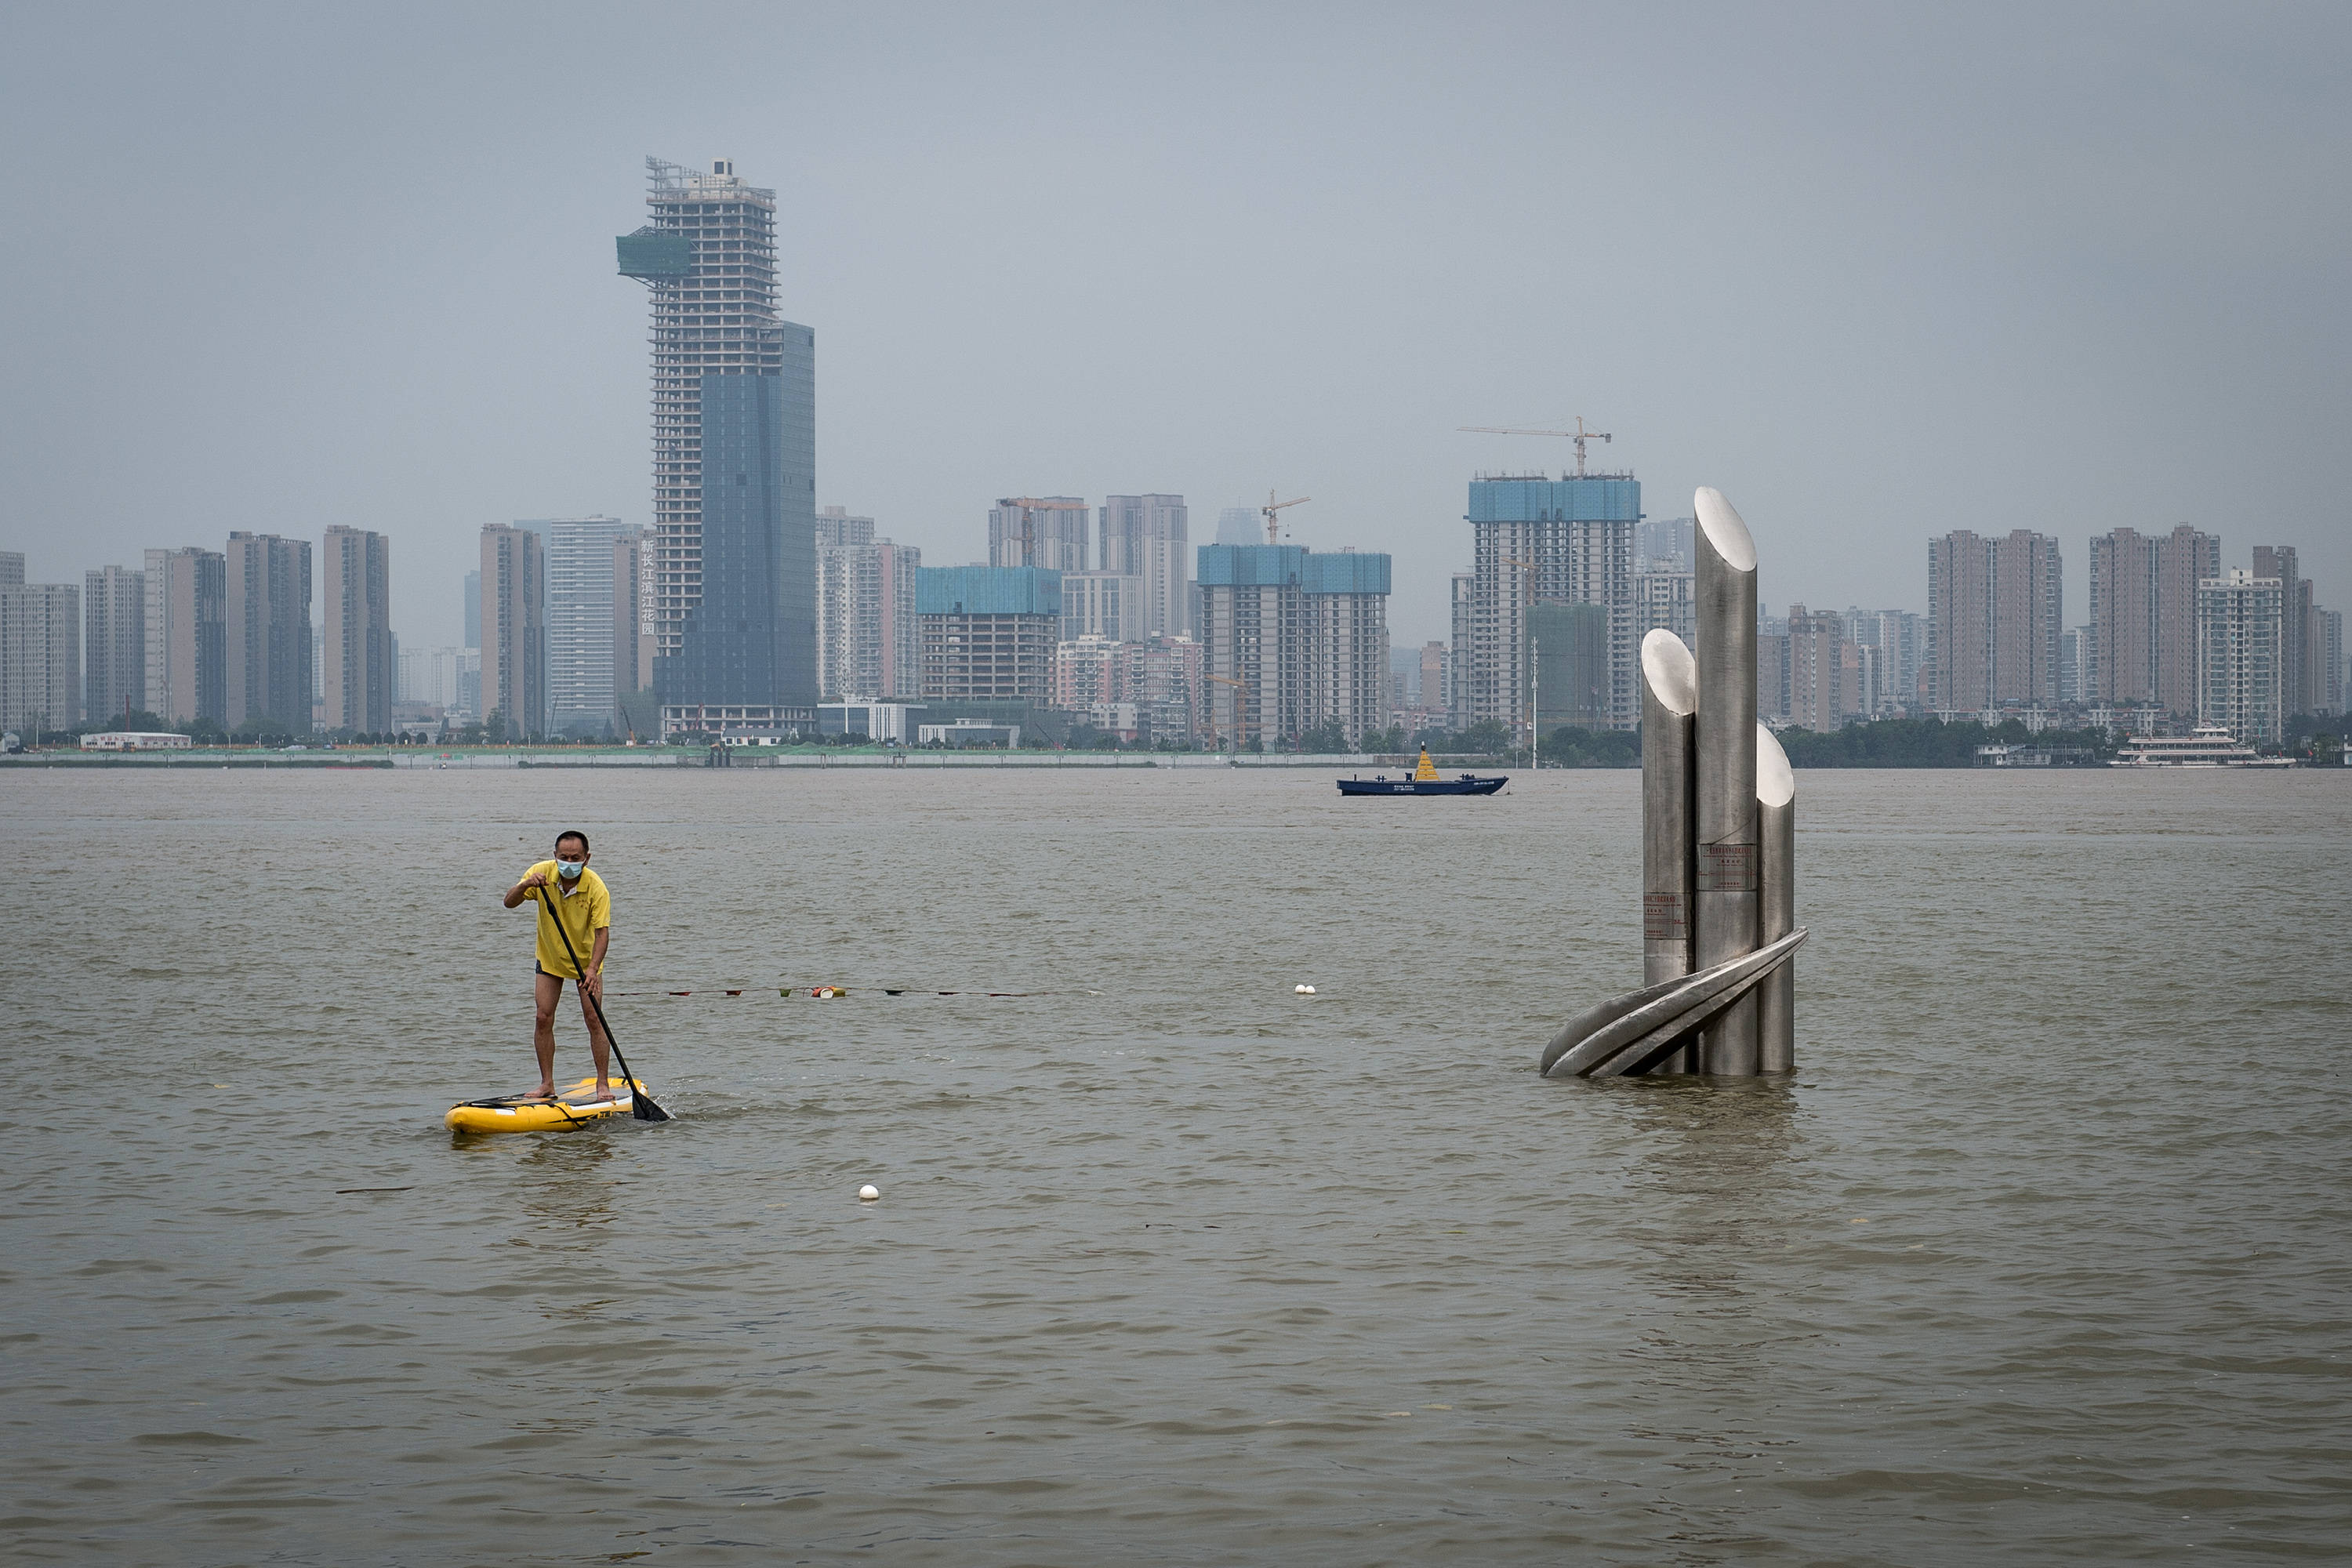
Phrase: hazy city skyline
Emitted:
{"points": [[1880, 275]]}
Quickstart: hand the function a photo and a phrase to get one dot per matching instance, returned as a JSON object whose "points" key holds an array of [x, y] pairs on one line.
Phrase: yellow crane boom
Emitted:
{"points": [[1273, 506], [1030, 506]]}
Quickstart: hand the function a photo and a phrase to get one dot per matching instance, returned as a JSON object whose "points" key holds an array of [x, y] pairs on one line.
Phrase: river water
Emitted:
{"points": [[2043, 1254]]}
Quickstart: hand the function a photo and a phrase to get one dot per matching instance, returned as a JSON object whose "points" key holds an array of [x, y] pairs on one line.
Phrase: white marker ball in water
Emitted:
{"points": [[1302, 991], [868, 1193]]}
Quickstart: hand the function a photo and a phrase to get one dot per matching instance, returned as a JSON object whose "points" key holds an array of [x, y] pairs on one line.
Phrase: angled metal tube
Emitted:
{"points": [[1725, 923], [1595, 1019], [1639, 1035], [1669, 706], [1776, 832]]}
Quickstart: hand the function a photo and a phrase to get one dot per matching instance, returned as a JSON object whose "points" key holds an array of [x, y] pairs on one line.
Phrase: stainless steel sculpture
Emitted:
{"points": [[1776, 834], [1669, 701], [1630, 1034], [1723, 915], [1718, 851]]}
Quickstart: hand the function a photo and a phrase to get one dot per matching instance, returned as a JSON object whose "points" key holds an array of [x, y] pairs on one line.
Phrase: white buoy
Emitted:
{"points": [[868, 1193], [1302, 991]]}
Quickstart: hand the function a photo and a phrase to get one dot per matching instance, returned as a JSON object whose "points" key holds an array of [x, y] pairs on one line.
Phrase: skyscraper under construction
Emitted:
{"points": [[728, 585]]}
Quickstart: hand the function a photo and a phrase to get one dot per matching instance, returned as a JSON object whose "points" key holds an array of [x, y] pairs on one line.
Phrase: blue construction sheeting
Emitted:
{"points": [[987, 591], [1565, 500], [1274, 565], [1349, 571], [1250, 565]]}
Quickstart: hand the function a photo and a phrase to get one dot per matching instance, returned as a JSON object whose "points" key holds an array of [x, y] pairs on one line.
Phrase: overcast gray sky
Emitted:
{"points": [[1876, 271]]}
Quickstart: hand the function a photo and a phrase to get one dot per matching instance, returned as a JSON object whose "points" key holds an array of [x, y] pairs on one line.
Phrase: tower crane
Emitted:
{"points": [[1029, 506], [1580, 435], [1273, 506]]}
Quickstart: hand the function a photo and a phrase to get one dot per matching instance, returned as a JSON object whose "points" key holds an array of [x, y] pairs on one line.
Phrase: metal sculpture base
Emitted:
{"points": [[1631, 1033]]}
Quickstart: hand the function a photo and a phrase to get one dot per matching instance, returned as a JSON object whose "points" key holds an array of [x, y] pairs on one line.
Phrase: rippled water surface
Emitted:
{"points": [[2043, 1254]]}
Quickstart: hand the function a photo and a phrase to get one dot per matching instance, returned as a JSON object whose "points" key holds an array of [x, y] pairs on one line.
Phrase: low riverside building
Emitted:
{"points": [[964, 733], [873, 721], [135, 741]]}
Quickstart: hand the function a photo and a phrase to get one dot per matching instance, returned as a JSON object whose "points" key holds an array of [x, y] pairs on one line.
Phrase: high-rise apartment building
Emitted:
{"points": [[1542, 540], [635, 712], [1145, 537], [438, 677], [1569, 658], [114, 642], [2327, 648], [512, 636], [1665, 546], [1824, 671], [2072, 644], [2183, 559], [989, 633], [835, 526], [1162, 679], [272, 682], [40, 651], [581, 564], [2143, 643], [2280, 561], [1103, 604], [1772, 671], [1435, 679], [1159, 679], [1404, 680], [2303, 617], [1889, 644], [868, 641], [2028, 618], [187, 635], [2242, 656], [1292, 640], [1045, 531], [470, 627], [360, 675], [1086, 673], [1668, 599], [1995, 609], [1240, 525], [733, 576], [1463, 595]]}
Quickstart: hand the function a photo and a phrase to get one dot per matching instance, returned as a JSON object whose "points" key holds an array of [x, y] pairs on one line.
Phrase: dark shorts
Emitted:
{"points": [[537, 968]]}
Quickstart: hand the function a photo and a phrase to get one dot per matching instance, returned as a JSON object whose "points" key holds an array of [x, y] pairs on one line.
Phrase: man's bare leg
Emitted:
{"points": [[598, 1047], [550, 991]]}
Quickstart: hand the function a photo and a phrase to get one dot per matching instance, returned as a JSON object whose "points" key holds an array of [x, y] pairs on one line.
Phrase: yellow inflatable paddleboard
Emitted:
{"points": [[513, 1115]]}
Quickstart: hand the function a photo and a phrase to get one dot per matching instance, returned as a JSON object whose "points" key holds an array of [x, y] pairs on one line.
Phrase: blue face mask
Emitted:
{"points": [[570, 870]]}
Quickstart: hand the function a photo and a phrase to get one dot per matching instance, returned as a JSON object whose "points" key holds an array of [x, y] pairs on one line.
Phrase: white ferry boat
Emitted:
{"points": [[2208, 746]]}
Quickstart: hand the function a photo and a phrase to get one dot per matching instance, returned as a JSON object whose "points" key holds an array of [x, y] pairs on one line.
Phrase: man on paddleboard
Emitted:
{"points": [[576, 896]]}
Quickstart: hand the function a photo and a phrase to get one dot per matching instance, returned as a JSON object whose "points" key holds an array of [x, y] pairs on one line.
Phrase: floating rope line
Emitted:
{"points": [[827, 993]]}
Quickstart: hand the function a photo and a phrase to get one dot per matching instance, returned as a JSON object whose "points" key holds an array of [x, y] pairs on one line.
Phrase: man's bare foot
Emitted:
{"points": [[603, 1095], [544, 1092]]}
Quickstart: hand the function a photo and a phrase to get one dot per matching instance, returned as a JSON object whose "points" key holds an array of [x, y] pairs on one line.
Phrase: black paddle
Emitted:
{"points": [[641, 1104]]}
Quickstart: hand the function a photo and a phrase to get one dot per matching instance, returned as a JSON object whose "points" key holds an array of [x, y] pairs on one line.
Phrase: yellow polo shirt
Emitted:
{"points": [[585, 908]]}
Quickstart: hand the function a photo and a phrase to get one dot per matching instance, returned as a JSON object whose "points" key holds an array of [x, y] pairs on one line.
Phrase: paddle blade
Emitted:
{"points": [[642, 1107]]}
